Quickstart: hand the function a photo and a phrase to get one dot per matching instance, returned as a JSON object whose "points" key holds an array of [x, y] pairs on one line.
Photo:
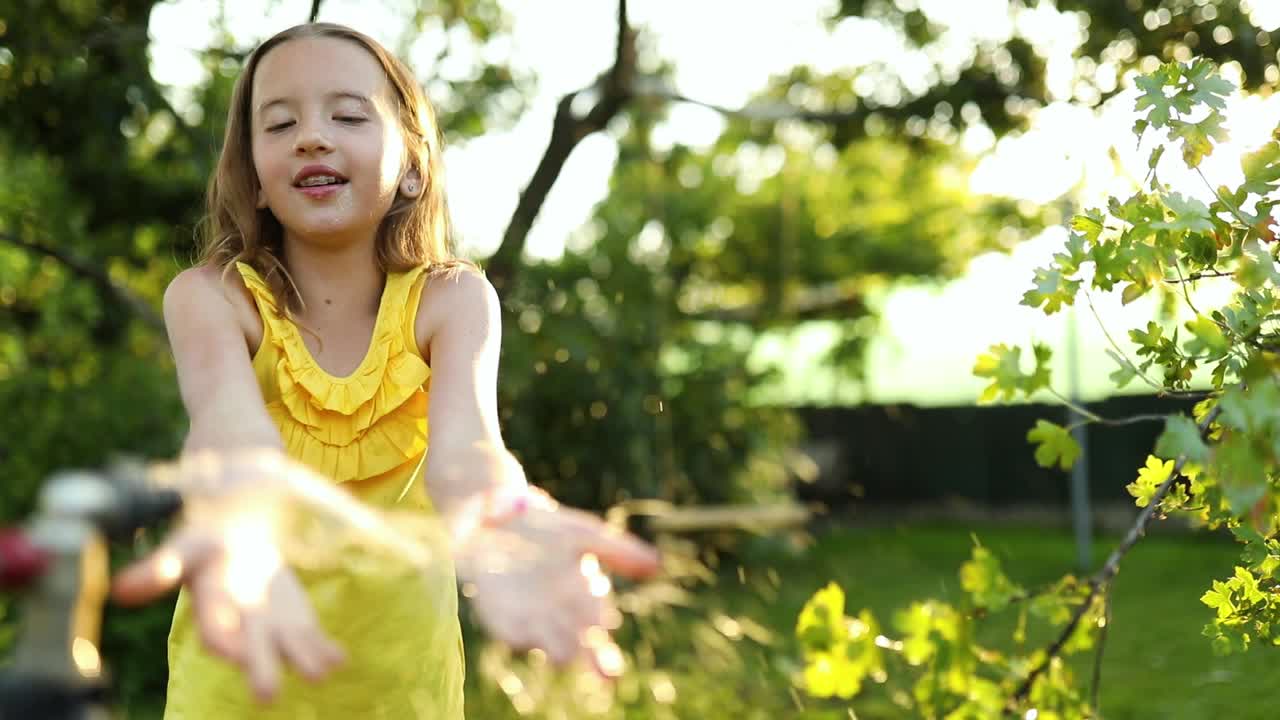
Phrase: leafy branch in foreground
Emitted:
{"points": [[1216, 469]]}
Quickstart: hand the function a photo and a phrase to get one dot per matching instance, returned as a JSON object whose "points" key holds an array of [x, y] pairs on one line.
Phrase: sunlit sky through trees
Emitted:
{"points": [[1072, 157]]}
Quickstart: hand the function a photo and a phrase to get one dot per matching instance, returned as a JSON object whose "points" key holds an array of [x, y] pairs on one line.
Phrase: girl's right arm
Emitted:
{"points": [[211, 324], [206, 319]]}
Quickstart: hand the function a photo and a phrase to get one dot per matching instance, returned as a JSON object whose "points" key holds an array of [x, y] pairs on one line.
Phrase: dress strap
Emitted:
{"points": [[258, 287], [263, 298]]}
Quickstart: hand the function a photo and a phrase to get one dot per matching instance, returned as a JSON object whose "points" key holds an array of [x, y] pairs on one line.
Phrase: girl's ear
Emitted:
{"points": [[411, 184]]}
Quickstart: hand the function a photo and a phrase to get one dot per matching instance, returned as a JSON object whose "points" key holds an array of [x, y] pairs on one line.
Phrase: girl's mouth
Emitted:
{"points": [[320, 186], [319, 181]]}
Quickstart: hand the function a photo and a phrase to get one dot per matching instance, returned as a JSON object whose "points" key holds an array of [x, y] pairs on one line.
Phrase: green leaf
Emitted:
{"points": [[1124, 374], [1111, 264], [984, 579], [1200, 248], [1069, 261], [1241, 473], [1156, 153], [1219, 598], [928, 628], [1252, 409], [1256, 267], [1205, 336], [1246, 533], [825, 675], [1054, 445], [1207, 87], [1223, 645], [821, 622], [1132, 292], [1052, 289], [1261, 169], [1153, 97], [1000, 364], [1247, 585], [1197, 138], [1188, 214], [1089, 224], [1150, 478], [833, 675], [1055, 606], [1039, 377], [839, 652], [1181, 437], [1140, 211]]}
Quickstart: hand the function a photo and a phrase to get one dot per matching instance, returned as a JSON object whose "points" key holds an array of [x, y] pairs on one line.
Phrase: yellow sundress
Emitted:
{"points": [[367, 431]]}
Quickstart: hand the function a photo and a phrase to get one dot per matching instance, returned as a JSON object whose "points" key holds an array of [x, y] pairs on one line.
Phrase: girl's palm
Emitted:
{"points": [[536, 582]]}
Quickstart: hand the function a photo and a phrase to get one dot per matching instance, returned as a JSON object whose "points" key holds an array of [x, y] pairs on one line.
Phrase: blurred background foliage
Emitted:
{"points": [[626, 369]]}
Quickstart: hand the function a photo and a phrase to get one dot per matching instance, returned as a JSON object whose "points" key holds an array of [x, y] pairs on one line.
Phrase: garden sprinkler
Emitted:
{"points": [[57, 563]]}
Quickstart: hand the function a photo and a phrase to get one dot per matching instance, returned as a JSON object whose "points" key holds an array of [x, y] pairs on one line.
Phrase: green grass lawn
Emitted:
{"points": [[1156, 664], [723, 646]]}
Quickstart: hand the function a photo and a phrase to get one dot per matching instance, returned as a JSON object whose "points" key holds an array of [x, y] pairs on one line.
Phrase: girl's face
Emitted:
{"points": [[326, 140]]}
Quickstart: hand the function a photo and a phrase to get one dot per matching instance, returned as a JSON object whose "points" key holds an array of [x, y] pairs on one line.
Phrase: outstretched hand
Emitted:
{"points": [[537, 582], [536, 579], [248, 605]]}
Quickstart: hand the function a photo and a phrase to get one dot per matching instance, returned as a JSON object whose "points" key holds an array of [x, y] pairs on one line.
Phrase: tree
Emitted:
{"points": [[1217, 469]]}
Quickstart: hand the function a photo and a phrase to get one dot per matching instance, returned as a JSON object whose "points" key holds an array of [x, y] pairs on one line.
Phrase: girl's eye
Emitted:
{"points": [[279, 126], [351, 119]]}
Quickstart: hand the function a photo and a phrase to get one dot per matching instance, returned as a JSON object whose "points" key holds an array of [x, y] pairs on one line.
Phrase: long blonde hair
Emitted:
{"points": [[416, 231]]}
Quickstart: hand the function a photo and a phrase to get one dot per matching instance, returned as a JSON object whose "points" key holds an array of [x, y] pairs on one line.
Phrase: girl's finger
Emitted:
{"points": [[559, 636], [602, 652], [260, 661], [164, 569], [217, 617], [303, 643], [303, 651], [327, 652], [330, 653], [619, 551]]}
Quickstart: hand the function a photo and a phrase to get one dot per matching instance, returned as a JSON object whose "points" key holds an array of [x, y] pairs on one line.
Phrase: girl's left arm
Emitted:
{"points": [[468, 465], [554, 598]]}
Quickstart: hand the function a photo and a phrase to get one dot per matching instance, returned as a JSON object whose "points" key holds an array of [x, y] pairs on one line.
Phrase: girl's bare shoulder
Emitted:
{"points": [[457, 296], [202, 287]]}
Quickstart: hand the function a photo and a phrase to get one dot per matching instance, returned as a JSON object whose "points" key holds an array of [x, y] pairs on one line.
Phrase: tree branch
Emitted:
{"points": [[566, 132], [123, 297], [1119, 422], [1100, 582], [1116, 347], [1191, 277], [804, 303], [656, 88]]}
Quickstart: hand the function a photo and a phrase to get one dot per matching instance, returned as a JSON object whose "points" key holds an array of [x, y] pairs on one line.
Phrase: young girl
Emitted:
{"points": [[328, 326]]}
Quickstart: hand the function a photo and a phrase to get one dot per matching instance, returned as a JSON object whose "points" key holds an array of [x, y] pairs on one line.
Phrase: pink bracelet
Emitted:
{"points": [[502, 506]]}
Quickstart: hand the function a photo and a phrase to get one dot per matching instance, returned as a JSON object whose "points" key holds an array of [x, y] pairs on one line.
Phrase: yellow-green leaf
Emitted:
{"points": [[1054, 445], [1150, 478], [1132, 292]]}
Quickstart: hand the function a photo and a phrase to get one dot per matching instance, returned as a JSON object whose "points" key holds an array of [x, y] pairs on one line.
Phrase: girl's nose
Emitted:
{"points": [[311, 139]]}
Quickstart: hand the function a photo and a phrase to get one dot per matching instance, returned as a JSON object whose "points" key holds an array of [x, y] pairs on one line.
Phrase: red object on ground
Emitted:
{"points": [[20, 561]]}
